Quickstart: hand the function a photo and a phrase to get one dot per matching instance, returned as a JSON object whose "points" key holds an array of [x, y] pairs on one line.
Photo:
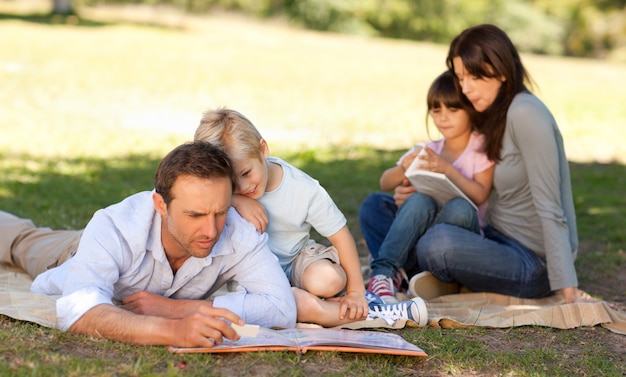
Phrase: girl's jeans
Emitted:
{"points": [[391, 233]]}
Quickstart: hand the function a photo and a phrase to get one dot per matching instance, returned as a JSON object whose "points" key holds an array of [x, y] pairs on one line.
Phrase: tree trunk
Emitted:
{"points": [[62, 7]]}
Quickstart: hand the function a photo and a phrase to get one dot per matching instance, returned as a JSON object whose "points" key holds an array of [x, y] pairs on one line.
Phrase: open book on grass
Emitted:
{"points": [[437, 185], [317, 339]]}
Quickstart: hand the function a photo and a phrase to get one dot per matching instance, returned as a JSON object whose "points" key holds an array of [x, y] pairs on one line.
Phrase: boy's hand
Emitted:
{"points": [[353, 306], [252, 211]]}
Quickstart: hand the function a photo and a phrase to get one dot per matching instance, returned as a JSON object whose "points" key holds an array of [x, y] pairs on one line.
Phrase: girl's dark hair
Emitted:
{"points": [[198, 159], [443, 92], [486, 51]]}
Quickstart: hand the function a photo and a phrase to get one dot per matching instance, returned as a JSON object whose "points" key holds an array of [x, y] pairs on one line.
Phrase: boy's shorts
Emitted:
{"points": [[311, 252]]}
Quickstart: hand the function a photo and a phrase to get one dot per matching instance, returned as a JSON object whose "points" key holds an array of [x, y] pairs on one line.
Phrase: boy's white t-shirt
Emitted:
{"points": [[297, 204]]}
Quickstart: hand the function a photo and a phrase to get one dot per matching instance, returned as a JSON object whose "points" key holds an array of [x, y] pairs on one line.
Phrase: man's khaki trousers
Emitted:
{"points": [[34, 249]]}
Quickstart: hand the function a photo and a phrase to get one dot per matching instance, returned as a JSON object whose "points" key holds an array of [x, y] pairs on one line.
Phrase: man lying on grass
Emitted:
{"points": [[143, 270]]}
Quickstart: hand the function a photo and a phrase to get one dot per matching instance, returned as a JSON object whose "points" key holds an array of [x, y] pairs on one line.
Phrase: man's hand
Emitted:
{"points": [[198, 322], [206, 327], [402, 192], [147, 303]]}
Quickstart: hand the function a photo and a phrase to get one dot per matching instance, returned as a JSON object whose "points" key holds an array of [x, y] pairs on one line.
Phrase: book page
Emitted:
{"points": [[319, 339], [436, 185], [265, 338], [311, 338]]}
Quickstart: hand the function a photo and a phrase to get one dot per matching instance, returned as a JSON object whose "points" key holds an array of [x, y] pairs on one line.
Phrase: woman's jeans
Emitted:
{"points": [[391, 233], [493, 263], [450, 248]]}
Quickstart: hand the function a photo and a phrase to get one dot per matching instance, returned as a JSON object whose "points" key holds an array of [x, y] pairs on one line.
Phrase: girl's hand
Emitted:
{"points": [[408, 160], [434, 162]]}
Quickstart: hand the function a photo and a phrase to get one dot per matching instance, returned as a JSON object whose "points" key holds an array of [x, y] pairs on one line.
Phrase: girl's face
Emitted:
{"points": [[480, 91], [450, 121], [252, 177]]}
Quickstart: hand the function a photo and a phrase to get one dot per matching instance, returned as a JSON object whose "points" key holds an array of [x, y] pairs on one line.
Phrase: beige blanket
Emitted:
{"points": [[494, 310], [17, 302], [462, 310]]}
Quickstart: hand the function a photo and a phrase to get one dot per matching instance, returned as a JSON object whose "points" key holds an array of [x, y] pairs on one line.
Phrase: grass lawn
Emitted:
{"points": [[88, 110]]}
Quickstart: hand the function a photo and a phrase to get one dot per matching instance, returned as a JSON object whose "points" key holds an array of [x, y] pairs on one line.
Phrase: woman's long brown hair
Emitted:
{"points": [[486, 51]]}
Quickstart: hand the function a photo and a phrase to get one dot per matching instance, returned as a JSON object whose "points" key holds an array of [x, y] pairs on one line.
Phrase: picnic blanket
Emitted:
{"points": [[459, 310]]}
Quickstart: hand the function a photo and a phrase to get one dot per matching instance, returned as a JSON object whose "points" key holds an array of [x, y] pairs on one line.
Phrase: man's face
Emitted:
{"points": [[195, 218]]}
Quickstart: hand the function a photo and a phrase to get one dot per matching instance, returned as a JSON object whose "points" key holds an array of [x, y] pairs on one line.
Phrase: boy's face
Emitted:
{"points": [[252, 177]]}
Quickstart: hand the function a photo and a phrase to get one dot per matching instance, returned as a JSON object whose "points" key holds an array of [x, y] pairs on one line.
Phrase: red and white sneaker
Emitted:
{"points": [[382, 286], [401, 281]]}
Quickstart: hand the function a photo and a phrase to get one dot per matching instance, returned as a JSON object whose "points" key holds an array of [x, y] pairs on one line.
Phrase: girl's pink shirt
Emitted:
{"points": [[472, 161]]}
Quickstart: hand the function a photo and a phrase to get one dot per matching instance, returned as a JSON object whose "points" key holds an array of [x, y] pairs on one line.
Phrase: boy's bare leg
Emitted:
{"points": [[312, 309], [324, 278]]}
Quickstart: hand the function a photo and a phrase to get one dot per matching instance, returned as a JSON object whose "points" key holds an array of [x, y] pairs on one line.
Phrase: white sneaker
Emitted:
{"points": [[414, 310], [372, 299], [428, 287]]}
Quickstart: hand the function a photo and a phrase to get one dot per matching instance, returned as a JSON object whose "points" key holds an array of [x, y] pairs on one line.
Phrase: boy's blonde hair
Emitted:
{"points": [[230, 131]]}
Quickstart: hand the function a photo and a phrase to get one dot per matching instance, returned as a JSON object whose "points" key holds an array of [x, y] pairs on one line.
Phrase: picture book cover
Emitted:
{"points": [[254, 338]]}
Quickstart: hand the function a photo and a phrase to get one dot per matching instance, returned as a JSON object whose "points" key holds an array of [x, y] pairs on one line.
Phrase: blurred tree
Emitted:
{"points": [[591, 28], [62, 7]]}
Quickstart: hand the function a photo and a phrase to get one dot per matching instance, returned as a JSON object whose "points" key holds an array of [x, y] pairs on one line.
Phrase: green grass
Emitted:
{"points": [[89, 109]]}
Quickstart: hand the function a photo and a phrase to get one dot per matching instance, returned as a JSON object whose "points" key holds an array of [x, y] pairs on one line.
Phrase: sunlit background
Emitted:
{"points": [[93, 80]]}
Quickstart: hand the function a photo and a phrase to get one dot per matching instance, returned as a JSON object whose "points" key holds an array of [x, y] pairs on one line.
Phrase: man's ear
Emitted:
{"points": [[159, 203], [265, 149]]}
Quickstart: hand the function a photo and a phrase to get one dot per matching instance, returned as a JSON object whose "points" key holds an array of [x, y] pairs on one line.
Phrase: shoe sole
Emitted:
{"points": [[419, 306], [428, 287]]}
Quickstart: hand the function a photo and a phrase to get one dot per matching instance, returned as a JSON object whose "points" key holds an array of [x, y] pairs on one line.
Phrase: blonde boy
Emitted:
{"points": [[286, 203]]}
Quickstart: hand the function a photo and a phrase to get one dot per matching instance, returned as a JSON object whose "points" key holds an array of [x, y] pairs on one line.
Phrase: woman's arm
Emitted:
{"points": [[535, 134]]}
